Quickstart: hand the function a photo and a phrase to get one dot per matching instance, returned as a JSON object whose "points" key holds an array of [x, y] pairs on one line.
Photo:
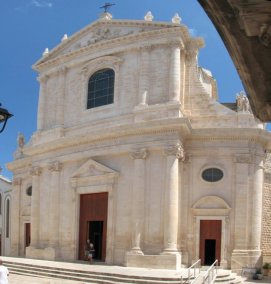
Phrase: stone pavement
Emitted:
{"points": [[19, 279]]}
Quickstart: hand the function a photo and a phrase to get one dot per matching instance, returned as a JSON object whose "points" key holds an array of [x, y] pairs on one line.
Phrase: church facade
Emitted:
{"points": [[134, 152]]}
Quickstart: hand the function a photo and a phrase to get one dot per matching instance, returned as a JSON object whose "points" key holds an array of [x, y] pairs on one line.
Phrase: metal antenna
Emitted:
{"points": [[107, 6]]}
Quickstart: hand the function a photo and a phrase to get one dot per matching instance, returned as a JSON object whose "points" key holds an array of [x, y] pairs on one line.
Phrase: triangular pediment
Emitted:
{"points": [[101, 31], [92, 169]]}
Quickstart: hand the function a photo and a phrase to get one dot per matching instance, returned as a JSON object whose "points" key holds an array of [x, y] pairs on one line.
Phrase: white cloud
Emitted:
{"points": [[42, 4]]}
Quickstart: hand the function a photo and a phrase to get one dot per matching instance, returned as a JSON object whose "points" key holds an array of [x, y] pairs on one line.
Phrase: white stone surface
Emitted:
{"points": [[161, 99]]}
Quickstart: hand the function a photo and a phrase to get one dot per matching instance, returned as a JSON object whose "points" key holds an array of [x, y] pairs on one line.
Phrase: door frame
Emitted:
{"points": [[110, 221], [224, 220]]}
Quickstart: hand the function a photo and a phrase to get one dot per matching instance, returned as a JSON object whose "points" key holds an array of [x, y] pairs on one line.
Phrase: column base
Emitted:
{"points": [[136, 251], [245, 258], [171, 261], [48, 253], [169, 252]]}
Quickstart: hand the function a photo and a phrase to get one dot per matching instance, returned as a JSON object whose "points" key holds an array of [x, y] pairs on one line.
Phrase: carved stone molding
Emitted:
{"points": [[35, 171], [139, 154], [43, 79], [242, 159], [17, 181], [55, 167], [175, 150], [63, 70]]}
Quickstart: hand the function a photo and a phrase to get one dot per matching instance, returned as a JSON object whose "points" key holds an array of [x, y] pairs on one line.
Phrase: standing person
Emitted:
{"points": [[91, 253], [3, 273], [87, 247]]}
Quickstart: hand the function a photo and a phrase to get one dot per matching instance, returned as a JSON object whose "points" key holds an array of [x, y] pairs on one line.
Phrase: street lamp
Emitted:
{"points": [[4, 116]]}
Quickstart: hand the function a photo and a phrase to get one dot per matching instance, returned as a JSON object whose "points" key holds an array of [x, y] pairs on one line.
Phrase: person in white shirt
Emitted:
{"points": [[3, 273]]}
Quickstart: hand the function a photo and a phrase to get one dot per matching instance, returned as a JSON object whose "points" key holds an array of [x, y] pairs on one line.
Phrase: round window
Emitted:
{"points": [[212, 174], [29, 191]]}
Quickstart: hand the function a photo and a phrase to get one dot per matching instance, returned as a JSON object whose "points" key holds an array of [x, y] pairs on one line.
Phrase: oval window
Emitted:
{"points": [[212, 174]]}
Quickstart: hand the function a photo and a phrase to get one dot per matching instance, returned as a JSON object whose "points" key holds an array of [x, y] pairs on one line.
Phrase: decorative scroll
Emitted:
{"points": [[139, 154]]}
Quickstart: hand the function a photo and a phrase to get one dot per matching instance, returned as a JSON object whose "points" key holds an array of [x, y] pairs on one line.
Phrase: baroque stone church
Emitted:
{"points": [[134, 152]]}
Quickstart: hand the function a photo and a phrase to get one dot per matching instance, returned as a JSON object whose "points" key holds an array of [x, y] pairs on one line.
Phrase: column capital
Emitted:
{"points": [[43, 78], [175, 150], [35, 171], [55, 166], [177, 43], [242, 158], [62, 70], [139, 154], [17, 181]]}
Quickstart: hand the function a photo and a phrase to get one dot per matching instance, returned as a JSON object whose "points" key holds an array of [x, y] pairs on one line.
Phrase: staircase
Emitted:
{"points": [[106, 274], [86, 276]]}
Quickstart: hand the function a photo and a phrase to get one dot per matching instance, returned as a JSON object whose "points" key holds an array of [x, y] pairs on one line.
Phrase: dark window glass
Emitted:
{"points": [[212, 174], [101, 88], [29, 191]]}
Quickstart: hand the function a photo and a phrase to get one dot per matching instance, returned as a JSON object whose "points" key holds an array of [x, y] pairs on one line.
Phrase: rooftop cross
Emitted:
{"points": [[106, 6]]}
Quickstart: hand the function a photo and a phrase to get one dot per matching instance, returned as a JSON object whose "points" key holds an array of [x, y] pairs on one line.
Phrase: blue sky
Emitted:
{"points": [[27, 27]]}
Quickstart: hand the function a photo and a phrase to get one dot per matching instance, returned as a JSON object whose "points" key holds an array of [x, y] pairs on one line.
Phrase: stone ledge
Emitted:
{"points": [[170, 261]]}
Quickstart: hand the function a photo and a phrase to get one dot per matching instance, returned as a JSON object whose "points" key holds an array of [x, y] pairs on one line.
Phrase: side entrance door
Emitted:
{"points": [[210, 241], [93, 224]]}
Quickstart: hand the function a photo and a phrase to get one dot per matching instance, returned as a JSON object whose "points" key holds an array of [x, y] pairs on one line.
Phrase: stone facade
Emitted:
{"points": [[266, 237], [146, 153], [5, 210]]}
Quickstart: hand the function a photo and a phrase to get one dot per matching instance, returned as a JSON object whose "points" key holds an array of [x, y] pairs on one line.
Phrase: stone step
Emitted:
{"points": [[85, 276]]}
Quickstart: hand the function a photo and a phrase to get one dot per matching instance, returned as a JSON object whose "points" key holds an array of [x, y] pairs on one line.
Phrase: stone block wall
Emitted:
{"points": [[266, 230]]}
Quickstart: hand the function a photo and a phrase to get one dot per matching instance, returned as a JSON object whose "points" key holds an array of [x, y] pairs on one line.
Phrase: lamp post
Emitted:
{"points": [[4, 116]]}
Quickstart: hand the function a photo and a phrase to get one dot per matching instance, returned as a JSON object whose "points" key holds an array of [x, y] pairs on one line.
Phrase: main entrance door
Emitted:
{"points": [[210, 241], [93, 223]]}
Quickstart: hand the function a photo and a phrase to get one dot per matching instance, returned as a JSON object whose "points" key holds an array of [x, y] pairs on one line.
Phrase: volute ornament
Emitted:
{"points": [[175, 150], [139, 154]]}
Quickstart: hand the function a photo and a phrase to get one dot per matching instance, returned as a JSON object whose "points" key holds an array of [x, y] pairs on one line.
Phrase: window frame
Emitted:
{"points": [[109, 96], [209, 168]]}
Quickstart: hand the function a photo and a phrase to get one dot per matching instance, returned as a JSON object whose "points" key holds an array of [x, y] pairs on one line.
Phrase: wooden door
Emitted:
{"points": [[93, 223], [210, 241]]}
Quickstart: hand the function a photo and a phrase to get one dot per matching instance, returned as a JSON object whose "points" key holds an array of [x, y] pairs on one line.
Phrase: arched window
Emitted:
{"points": [[7, 218], [101, 88]]}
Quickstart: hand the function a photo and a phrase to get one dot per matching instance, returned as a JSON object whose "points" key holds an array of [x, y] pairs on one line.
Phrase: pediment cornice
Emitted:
{"points": [[126, 41]]}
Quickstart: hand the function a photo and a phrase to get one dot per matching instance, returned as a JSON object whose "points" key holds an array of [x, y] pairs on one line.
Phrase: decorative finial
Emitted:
{"points": [[107, 6], [148, 17], [46, 52], [176, 19], [64, 37]]}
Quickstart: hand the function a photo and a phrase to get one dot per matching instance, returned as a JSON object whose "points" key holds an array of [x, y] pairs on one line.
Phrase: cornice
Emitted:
{"points": [[112, 23], [118, 132], [124, 42], [232, 134]]}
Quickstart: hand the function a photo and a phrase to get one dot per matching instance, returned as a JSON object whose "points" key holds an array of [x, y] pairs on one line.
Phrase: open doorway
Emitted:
{"points": [[210, 241], [95, 235], [93, 224]]}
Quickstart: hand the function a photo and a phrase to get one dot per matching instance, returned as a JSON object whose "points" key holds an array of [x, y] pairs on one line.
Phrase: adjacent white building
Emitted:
{"points": [[134, 152], [5, 215]]}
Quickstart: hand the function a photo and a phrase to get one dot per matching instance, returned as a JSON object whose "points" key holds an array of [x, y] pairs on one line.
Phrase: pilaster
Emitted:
{"points": [[138, 213], [55, 169], [42, 101], [173, 154], [35, 206], [61, 96], [15, 216]]}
